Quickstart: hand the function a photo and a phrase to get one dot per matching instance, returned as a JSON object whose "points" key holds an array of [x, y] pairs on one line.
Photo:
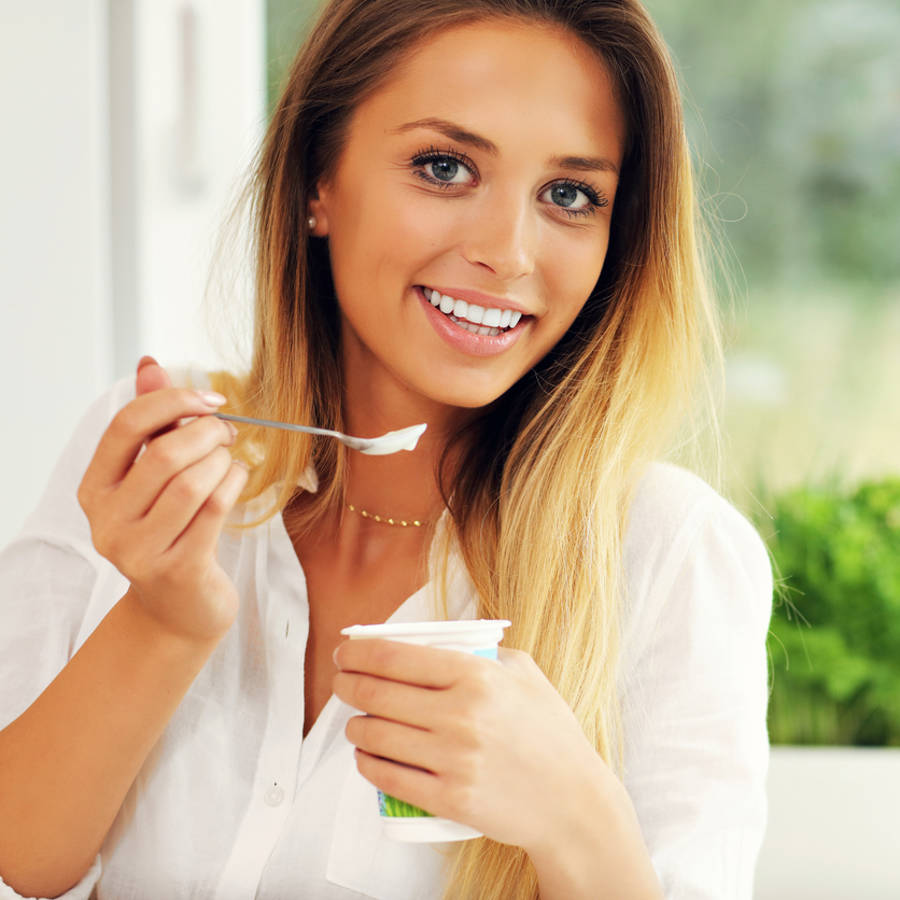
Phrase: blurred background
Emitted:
{"points": [[129, 124]]}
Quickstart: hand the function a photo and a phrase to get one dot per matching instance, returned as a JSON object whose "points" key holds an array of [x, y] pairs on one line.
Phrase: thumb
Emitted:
{"points": [[151, 376]]}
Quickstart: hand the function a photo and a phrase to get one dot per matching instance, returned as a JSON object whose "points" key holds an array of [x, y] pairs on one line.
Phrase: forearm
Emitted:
{"points": [[67, 762], [596, 850]]}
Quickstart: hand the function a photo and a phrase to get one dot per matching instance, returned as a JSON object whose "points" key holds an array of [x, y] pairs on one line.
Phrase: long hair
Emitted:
{"points": [[538, 504]]}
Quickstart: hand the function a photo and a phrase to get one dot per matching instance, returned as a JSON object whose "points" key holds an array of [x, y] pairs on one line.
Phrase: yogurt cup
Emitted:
{"points": [[402, 821]]}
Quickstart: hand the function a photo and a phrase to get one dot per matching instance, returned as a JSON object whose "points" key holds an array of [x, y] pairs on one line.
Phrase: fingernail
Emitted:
{"points": [[232, 429], [242, 464], [146, 361], [211, 398]]}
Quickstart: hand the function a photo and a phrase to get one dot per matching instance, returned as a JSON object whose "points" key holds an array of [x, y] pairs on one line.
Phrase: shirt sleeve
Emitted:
{"points": [[49, 571], [54, 586], [48, 575], [695, 699]]}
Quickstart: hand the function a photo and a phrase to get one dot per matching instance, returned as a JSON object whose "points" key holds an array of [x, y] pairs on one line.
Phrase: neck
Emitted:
{"points": [[402, 485]]}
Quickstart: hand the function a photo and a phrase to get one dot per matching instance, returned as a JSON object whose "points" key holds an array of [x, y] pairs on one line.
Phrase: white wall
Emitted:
{"points": [[55, 308], [199, 90], [116, 170], [834, 827]]}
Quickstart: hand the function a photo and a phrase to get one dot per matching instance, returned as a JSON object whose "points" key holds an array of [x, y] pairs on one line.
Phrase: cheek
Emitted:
{"points": [[573, 265], [391, 239], [417, 227]]}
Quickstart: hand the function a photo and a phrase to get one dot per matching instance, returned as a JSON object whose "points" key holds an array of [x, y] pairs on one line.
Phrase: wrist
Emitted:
{"points": [[594, 848], [154, 633]]}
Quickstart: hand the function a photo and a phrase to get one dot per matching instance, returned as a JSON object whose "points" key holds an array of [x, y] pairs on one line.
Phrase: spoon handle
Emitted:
{"points": [[269, 423], [392, 442]]}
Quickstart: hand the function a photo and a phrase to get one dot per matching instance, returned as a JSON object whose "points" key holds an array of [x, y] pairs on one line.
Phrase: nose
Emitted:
{"points": [[500, 236]]}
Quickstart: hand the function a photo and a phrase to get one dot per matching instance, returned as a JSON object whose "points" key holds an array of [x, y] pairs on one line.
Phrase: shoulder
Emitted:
{"points": [[673, 509], [669, 498], [689, 553]]}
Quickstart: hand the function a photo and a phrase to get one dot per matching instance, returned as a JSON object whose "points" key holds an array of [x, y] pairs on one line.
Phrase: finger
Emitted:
{"points": [[409, 704], [396, 741], [135, 423], [183, 497], [432, 667], [151, 376], [412, 785], [199, 539], [167, 456]]}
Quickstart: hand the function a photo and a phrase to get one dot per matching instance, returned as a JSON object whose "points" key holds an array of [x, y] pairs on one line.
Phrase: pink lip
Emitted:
{"points": [[463, 340], [485, 300]]}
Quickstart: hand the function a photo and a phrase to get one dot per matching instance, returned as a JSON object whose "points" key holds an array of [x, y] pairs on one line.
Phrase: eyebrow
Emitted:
{"points": [[458, 133]]}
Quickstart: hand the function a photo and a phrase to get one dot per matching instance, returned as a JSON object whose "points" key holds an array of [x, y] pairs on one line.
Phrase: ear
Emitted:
{"points": [[318, 207]]}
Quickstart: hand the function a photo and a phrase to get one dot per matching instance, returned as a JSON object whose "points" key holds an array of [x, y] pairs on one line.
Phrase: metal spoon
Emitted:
{"points": [[392, 442]]}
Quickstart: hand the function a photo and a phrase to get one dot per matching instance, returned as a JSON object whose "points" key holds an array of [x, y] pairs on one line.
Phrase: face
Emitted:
{"points": [[468, 216]]}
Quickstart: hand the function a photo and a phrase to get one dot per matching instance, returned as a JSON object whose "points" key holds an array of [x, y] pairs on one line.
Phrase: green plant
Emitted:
{"points": [[834, 643]]}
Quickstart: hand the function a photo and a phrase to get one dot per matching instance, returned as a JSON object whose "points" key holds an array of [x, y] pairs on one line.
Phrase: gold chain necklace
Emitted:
{"points": [[403, 523]]}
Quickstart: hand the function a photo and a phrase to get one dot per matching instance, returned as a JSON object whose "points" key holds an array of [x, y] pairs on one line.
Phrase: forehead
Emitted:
{"points": [[517, 83]]}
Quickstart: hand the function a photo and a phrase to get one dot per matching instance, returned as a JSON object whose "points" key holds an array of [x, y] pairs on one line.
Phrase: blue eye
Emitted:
{"points": [[443, 168], [573, 198], [564, 195]]}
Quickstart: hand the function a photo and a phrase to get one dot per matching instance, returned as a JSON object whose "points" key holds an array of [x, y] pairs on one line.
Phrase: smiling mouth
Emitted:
{"points": [[471, 317]]}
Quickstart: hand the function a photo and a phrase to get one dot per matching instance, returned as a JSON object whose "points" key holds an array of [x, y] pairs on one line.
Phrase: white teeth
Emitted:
{"points": [[475, 313], [492, 320], [475, 329]]}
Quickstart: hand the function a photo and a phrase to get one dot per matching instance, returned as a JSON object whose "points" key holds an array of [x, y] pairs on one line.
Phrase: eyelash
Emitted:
{"points": [[432, 154]]}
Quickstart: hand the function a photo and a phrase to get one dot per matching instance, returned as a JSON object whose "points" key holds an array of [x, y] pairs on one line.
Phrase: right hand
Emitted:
{"points": [[157, 515]]}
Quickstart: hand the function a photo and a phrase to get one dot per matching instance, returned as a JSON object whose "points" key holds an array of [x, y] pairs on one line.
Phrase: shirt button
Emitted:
{"points": [[274, 796]]}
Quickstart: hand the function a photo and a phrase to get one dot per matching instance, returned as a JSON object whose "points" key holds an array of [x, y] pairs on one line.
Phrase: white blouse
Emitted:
{"points": [[233, 803]]}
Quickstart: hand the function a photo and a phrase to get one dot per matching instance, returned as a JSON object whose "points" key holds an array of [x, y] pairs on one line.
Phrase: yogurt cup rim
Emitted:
{"points": [[439, 627]]}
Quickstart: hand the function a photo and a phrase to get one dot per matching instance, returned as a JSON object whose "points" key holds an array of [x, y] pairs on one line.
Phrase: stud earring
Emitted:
{"points": [[311, 222]]}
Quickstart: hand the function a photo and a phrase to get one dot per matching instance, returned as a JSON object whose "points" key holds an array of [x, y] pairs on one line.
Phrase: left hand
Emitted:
{"points": [[492, 746]]}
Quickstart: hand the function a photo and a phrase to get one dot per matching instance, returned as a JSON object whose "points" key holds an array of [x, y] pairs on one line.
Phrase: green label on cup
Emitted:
{"points": [[398, 809]]}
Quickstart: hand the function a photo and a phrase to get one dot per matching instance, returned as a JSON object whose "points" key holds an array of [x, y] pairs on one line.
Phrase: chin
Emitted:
{"points": [[468, 396]]}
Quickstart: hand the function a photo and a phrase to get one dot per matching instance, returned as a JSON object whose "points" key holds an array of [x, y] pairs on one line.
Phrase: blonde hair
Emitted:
{"points": [[539, 503]]}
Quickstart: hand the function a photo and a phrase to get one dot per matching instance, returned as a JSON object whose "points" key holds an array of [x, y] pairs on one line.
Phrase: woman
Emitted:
{"points": [[475, 214]]}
